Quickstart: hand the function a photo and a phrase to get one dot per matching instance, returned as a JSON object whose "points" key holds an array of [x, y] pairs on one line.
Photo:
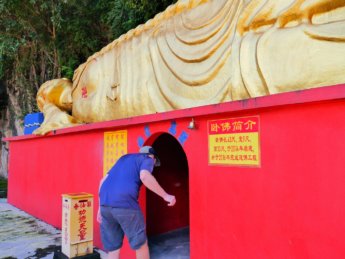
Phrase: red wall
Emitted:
{"points": [[42, 169], [290, 207]]}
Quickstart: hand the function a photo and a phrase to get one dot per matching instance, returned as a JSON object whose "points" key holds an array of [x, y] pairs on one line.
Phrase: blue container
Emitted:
{"points": [[32, 121], [29, 130]]}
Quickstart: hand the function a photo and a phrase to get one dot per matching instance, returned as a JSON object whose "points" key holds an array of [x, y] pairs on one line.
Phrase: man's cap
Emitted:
{"points": [[150, 150]]}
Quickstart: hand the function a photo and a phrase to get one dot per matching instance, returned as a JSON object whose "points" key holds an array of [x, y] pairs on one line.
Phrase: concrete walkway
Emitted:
{"points": [[25, 237], [171, 245]]}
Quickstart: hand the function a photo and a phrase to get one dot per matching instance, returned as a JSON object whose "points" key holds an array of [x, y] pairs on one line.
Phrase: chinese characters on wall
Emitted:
{"points": [[115, 146], [234, 141]]}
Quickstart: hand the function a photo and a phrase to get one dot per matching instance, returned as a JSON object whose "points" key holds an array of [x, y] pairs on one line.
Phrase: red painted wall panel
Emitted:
{"points": [[290, 207], [44, 168]]}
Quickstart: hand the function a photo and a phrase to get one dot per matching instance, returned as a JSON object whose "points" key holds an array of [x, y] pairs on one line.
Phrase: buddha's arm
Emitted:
{"points": [[55, 101]]}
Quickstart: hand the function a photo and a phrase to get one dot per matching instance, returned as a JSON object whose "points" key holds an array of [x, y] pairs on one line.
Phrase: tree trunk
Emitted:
{"points": [[11, 124]]}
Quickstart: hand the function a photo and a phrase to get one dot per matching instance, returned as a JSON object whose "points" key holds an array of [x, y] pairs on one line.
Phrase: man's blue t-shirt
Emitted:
{"points": [[121, 187]]}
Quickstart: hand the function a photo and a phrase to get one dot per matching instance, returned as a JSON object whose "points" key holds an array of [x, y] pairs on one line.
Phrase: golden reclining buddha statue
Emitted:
{"points": [[200, 52]]}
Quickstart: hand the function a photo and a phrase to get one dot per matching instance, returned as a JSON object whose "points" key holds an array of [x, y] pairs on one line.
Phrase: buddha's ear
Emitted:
{"points": [[112, 92]]}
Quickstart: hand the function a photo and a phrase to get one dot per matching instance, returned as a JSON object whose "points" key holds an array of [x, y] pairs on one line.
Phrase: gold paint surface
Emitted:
{"points": [[201, 52]]}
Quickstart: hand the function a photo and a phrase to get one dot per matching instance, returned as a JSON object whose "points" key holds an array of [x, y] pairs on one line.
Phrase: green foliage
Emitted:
{"points": [[42, 40], [3, 187], [3, 96], [127, 14], [3, 183]]}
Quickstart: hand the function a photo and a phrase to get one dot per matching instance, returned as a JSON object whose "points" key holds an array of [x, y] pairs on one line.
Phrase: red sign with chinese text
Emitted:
{"points": [[236, 125], [234, 141]]}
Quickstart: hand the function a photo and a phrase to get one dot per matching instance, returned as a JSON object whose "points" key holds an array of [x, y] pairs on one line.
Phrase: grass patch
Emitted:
{"points": [[3, 187]]}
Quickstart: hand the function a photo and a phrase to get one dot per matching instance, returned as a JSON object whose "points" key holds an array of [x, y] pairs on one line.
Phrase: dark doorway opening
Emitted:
{"points": [[168, 227]]}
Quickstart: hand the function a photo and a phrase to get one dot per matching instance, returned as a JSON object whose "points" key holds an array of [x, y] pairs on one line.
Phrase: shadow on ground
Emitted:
{"points": [[171, 245]]}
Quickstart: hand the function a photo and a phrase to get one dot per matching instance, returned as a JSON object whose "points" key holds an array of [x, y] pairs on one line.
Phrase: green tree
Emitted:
{"points": [[127, 14], [42, 40], [46, 39]]}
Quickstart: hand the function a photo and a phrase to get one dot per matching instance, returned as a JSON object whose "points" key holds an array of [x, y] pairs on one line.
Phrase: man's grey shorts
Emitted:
{"points": [[117, 222]]}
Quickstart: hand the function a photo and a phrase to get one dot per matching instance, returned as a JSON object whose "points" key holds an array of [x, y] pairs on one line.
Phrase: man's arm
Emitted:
{"points": [[151, 183], [99, 217]]}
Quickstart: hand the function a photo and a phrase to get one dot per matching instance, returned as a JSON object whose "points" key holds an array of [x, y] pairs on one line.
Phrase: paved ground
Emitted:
{"points": [[171, 245], [25, 237]]}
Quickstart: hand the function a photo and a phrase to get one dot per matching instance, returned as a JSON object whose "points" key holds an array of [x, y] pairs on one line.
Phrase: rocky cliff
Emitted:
{"points": [[11, 114]]}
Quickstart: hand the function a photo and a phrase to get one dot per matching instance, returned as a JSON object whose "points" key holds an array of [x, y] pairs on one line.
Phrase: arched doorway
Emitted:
{"points": [[168, 227]]}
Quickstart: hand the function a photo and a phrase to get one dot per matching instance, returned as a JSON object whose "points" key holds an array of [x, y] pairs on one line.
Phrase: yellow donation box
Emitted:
{"points": [[77, 224]]}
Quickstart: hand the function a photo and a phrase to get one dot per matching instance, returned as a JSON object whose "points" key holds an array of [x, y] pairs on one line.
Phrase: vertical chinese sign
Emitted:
{"points": [[234, 141], [115, 146]]}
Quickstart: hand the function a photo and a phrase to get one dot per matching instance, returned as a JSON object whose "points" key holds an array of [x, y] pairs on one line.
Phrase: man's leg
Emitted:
{"points": [[143, 252], [111, 232], [133, 224], [114, 254]]}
